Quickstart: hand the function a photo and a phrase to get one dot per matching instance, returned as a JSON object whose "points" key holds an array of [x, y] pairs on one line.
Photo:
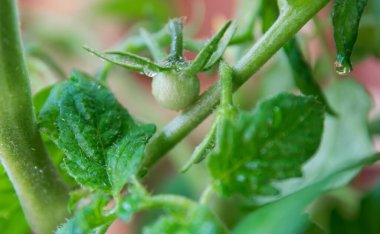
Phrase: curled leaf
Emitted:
{"points": [[302, 74], [204, 56], [203, 149], [222, 46]]}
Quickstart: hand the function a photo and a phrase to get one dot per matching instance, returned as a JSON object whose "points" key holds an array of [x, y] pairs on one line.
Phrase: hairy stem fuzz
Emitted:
{"points": [[42, 193]]}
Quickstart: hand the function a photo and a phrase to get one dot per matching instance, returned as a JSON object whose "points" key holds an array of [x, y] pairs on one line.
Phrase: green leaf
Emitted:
{"points": [[200, 220], [91, 219], [133, 202], [302, 74], [345, 140], [12, 219], [368, 42], [203, 149], [266, 145], [222, 46], [346, 18], [204, 56], [55, 153], [269, 14], [40, 98], [130, 61], [76, 197], [103, 145], [374, 126], [289, 213], [366, 221]]}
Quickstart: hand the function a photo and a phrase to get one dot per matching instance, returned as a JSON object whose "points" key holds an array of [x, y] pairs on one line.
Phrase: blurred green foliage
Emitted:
{"points": [[12, 219], [368, 42], [132, 10], [366, 220]]}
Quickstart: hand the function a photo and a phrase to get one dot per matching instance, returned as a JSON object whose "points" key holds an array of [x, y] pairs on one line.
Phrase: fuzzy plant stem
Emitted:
{"points": [[294, 15], [42, 193]]}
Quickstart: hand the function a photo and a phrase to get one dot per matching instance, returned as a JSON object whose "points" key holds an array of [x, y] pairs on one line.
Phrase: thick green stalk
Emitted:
{"points": [[43, 195], [293, 16]]}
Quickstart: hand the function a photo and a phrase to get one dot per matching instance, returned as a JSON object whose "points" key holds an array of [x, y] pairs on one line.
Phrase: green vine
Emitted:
{"points": [[42, 193]]}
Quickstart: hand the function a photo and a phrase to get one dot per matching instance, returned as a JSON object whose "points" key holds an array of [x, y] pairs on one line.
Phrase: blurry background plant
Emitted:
{"points": [[55, 31]]}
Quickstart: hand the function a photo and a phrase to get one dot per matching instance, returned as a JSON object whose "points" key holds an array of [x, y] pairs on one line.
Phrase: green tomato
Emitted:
{"points": [[175, 91]]}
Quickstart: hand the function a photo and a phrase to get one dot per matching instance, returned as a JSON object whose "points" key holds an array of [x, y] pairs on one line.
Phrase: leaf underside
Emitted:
{"points": [[302, 74]]}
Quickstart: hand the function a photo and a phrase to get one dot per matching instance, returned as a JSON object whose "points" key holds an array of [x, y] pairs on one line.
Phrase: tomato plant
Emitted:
{"points": [[74, 159]]}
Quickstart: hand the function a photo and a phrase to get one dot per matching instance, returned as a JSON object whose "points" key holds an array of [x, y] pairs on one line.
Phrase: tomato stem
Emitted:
{"points": [[226, 73], [42, 193], [290, 21], [176, 49]]}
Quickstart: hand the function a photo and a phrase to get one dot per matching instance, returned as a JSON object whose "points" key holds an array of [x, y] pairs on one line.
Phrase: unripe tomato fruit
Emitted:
{"points": [[175, 91]]}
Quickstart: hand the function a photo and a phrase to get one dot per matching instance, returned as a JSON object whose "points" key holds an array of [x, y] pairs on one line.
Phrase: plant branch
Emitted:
{"points": [[292, 18], [176, 48], [43, 195], [206, 195], [167, 201], [42, 55]]}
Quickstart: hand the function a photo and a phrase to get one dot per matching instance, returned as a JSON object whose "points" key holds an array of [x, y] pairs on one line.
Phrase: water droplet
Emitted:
{"points": [[240, 178], [148, 72], [127, 206], [341, 69]]}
